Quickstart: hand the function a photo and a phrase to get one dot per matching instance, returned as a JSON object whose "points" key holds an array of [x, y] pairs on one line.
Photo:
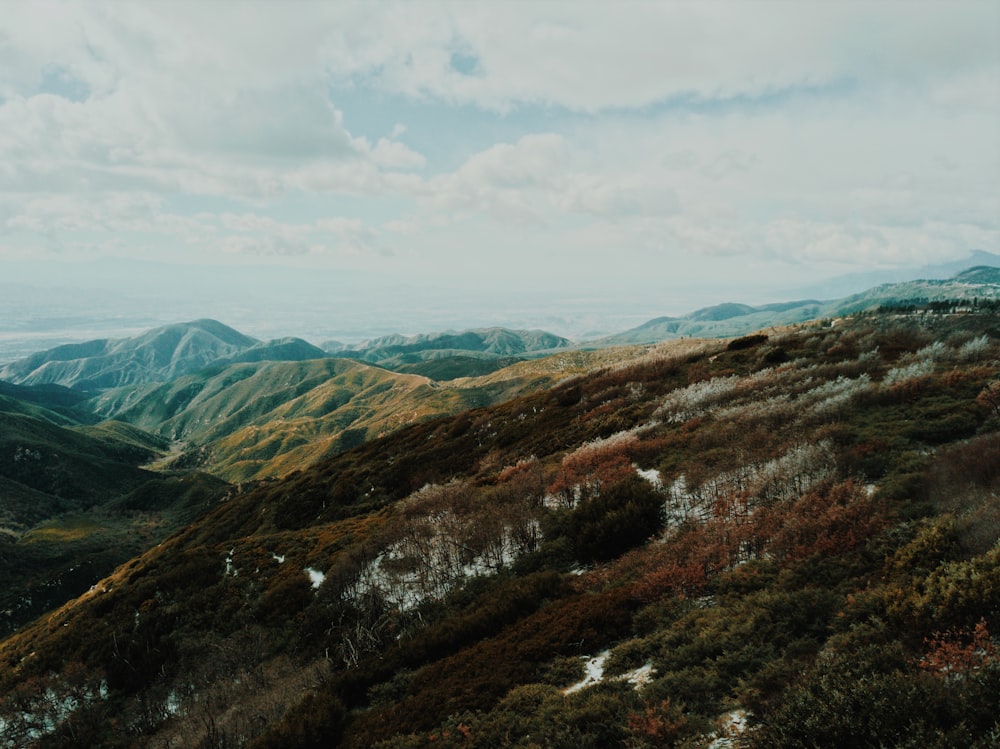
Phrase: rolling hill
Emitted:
{"points": [[489, 343]]}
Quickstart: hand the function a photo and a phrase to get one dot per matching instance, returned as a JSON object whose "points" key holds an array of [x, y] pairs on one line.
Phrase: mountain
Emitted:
{"points": [[721, 321], [706, 545], [728, 320], [978, 283], [855, 283], [395, 350], [280, 349], [446, 368], [168, 352], [52, 402], [980, 274], [259, 420], [158, 355]]}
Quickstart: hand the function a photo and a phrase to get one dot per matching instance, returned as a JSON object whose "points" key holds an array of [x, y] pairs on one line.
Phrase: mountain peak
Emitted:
{"points": [[156, 355]]}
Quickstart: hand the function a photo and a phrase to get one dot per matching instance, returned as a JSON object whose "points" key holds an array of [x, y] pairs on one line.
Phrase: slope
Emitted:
{"points": [[261, 420], [65, 518], [784, 541]]}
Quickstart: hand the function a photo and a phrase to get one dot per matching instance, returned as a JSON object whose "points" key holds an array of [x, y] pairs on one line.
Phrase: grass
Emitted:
{"points": [[65, 529]]}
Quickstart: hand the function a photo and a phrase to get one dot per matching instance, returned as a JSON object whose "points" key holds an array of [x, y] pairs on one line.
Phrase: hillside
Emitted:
{"points": [[70, 511], [776, 541], [157, 355], [280, 349], [53, 403], [256, 421]]}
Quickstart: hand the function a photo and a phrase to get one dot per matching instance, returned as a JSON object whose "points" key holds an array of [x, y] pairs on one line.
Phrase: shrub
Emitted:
{"points": [[620, 517]]}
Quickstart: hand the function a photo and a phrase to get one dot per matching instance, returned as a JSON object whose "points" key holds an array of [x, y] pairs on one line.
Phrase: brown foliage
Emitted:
{"points": [[989, 397], [660, 724], [829, 521], [955, 653]]}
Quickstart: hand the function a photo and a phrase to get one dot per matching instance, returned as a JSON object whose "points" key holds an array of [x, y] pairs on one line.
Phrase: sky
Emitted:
{"points": [[635, 156]]}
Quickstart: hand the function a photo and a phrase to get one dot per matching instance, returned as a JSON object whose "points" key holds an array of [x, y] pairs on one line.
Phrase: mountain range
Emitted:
{"points": [[243, 409], [782, 532], [783, 539], [168, 352]]}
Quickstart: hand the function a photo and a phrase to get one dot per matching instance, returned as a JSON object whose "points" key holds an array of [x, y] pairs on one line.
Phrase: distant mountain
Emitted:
{"points": [[168, 352], [981, 274], [854, 283], [727, 320], [721, 321], [446, 368], [396, 350], [157, 355], [968, 285], [725, 311], [259, 420], [281, 349]]}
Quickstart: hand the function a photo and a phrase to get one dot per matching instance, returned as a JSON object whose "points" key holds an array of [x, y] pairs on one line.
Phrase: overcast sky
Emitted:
{"points": [[751, 144]]}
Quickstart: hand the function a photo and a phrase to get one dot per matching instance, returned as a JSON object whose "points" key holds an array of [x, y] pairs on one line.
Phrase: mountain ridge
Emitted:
{"points": [[733, 319], [155, 355]]}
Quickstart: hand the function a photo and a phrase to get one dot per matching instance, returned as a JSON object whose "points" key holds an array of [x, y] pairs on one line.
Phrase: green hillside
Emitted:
{"points": [[488, 343], [256, 420]]}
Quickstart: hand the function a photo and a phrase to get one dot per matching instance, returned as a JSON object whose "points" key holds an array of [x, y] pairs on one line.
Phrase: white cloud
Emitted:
{"points": [[840, 135], [395, 155], [264, 236], [594, 56]]}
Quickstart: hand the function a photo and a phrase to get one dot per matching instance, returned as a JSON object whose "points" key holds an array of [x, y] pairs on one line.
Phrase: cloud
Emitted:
{"points": [[597, 56], [511, 181], [395, 155], [203, 99], [257, 235], [824, 134]]}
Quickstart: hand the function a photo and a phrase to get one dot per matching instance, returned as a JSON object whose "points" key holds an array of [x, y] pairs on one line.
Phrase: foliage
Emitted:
{"points": [[807, 541]]}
